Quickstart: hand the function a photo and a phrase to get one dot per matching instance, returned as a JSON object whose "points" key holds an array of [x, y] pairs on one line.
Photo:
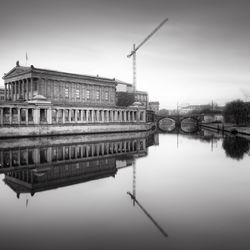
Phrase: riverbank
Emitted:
{"points": [[70, 129], [228, 128]]}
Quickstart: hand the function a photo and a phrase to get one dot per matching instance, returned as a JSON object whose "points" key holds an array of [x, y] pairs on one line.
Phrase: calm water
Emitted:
{"points": [[71, 192]]}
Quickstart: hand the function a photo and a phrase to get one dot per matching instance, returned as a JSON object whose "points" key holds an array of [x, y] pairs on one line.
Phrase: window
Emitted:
{"points": [[66, 92], [88, 94], [97, 95], [78, 93], [106, 96]]}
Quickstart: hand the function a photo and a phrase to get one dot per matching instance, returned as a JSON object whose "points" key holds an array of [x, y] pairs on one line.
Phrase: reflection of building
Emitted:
{"points": [[38, 166], [155, 106]]}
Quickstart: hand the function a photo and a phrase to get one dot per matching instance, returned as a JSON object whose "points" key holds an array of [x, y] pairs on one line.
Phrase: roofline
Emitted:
{"points": [[33, 69]]}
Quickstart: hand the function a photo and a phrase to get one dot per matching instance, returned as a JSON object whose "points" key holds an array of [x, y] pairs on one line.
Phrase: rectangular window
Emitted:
{"points": [[97, 95], [66, 92], [88, 94], [106, 96], [77, 93]]}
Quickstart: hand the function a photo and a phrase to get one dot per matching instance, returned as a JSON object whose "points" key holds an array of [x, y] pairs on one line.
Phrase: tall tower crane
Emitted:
{"points": [[133, 52]]}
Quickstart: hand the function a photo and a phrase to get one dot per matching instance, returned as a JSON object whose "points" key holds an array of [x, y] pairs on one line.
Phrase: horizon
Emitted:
{"points": [[201, 55]]}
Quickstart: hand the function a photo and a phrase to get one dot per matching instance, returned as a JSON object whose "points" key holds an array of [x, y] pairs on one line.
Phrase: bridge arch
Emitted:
{"points": [[177, 123], [166, 124]]}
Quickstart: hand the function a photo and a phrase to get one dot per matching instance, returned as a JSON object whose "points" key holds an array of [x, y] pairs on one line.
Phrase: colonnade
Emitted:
{"points": [[20, 89], [28, 115], [69, 153]]}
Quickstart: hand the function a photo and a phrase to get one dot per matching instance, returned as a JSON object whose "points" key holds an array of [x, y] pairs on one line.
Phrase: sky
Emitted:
{"points": [[201, 55]]}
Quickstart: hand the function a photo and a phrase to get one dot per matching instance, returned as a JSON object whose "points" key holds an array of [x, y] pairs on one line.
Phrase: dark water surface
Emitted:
{"points": [[72, 192]]}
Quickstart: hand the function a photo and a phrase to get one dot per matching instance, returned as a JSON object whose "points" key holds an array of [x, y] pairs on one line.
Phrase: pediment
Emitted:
{"points": [[15, 72]]}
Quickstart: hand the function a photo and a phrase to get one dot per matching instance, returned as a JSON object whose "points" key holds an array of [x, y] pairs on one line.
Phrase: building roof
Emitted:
{"points": [[20, 70], [141, 92], [155, 103], [124, 83]]}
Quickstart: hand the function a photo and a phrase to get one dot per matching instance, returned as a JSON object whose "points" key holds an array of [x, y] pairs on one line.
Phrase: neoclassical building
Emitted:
{"points": [[39, 102], [23, 83]]}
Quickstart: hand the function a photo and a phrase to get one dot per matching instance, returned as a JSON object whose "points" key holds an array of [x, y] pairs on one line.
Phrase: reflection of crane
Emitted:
{"points": [[147, 214], [133, 52]]}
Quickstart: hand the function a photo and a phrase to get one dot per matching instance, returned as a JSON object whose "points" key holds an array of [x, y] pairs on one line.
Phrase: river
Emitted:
{"points": [[126, 191]]}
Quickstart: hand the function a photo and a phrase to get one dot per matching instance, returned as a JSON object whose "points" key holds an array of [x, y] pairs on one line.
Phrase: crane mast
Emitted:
{"points": [[133, 52]]}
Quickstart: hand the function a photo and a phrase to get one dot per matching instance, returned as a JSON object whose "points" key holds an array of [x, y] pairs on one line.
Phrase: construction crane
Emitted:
{"points": [[133, 52]]}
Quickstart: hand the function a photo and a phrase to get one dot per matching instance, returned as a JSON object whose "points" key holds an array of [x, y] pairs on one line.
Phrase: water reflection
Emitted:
{"points": [[235, 147], [36, 165], [163, 232], [187, 191]]}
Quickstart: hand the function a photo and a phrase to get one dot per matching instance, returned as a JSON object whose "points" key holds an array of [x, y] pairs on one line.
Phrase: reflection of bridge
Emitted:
{"points": [[170, 123]]}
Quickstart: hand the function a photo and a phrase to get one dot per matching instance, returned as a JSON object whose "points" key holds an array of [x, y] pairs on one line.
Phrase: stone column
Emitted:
{"points": [[87, 115], [98, 115], [1, 117], [137, 115], [26, 116], [76, 115], [92, 118], [12, 90], [16, 88], [18, 116], [23, 96], [5, 92], [125, 115], [49, 116], [10, 118], [36, 114], [57, 116], [63, 116], [19, 89], [102, 114], [8, 90], [70, 113], [31, 88], [112, 117], [27, 89]]}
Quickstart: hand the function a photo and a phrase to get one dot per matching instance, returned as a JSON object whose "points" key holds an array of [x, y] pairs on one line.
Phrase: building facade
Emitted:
{"points": [[140, 96], [23, 83], [39, 102], [154, 106]]}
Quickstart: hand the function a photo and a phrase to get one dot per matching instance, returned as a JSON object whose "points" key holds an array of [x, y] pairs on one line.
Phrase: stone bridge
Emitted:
{"points": [[174, 122]]}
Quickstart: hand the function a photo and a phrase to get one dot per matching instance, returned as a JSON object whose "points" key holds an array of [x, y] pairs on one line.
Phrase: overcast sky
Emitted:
{"points": [[202, 54]]}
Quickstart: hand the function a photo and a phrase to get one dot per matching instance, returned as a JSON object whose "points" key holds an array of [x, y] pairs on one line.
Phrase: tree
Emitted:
{"points": [[236, 112], [163, 112], [125, 99]]}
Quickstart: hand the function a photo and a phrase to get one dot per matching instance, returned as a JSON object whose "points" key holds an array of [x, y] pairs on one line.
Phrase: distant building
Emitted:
{"points": [[213, 117], [155, 106], [123, 86], [198, 108], [140, 96]]}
